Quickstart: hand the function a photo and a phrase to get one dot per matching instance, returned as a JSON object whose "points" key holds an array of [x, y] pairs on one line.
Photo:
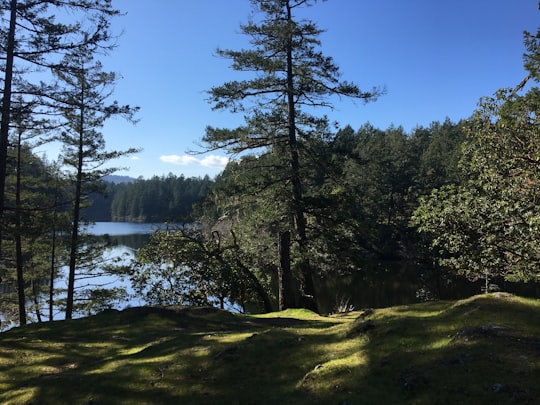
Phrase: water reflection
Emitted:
{"points": [[398, 283], [380, 285], [126, 228], [389, 284], [131, 242]]}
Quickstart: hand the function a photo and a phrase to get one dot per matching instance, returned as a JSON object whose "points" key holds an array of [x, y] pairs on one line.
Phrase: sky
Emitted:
{"points": [[435, 58]]}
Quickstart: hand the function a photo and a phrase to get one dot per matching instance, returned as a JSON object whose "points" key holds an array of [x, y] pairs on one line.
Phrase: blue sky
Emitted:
{"points": [[436, 59]]}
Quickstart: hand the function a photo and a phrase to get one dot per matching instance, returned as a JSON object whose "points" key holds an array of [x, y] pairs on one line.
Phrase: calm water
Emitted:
{"points": [[124, 228], [127, 237], [393, 284], [384, 285]]}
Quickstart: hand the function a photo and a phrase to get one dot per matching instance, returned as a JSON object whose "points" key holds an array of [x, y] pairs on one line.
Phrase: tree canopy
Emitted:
{"points": [[489, 224], [288, 78]]}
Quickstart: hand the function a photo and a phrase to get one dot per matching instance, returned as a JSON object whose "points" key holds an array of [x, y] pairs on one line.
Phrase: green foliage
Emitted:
{"points": [[181, 266], [165, 274], [437, 151], [85, 106], [360, 192], [96, 300], [33, 194], [159, 199], [370, 187], [489, 225]]}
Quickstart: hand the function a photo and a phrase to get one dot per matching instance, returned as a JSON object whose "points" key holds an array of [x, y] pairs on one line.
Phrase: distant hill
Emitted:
{"points": [[118, 179]]}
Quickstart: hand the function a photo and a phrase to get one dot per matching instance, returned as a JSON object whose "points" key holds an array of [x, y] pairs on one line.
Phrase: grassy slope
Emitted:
{"points": [[483, 350]]}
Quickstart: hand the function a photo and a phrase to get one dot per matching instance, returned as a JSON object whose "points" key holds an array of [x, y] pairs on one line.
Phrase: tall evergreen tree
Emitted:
{"points": [[292, 77], [36, 41], [85, 107]]}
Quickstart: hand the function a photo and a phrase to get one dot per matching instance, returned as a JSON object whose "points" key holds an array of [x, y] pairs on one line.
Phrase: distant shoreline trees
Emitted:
{"points": [[168, 198]]}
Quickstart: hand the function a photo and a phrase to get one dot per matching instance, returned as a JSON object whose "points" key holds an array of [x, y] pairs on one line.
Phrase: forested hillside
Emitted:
{"points": [[159, 199]]}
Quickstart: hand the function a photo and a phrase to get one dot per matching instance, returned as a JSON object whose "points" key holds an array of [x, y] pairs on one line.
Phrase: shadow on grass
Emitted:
{"points": [[157, 355], [482, 350]]}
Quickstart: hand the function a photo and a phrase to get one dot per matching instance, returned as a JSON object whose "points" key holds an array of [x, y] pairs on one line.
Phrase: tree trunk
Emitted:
{"points": [[35, 293], [76, 217], [310, 299], [285, 287], [6, 110], [74, 246], [259, 289], [53, 266], [18, 241], [21, 296]]}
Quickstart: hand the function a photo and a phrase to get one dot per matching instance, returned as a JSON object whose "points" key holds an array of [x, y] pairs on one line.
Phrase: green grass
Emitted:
{"points": [[482, 350]]}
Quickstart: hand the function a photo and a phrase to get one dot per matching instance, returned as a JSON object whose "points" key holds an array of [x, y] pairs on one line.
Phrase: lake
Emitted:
{"points": [[128, 238], [124, 228], [381, 285]]}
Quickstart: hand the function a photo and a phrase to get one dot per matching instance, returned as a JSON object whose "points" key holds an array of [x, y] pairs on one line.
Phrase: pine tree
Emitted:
{"points": [[289, 79], [85, 108], [35, 42]]}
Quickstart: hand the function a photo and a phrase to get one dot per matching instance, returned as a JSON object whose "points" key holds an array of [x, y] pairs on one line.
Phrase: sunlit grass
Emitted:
{"points": [[227, 337], [485, 349]]}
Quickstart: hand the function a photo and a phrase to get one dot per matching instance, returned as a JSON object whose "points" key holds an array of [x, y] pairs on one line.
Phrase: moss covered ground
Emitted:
{"points": [[482, 350]]}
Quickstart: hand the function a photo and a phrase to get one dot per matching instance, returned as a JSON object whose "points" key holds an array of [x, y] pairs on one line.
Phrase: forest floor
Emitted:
{"points": [[481, 350]]}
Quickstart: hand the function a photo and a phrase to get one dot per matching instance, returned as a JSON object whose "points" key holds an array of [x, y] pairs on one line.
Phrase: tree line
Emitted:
{"points": [[168, 198], [362, 188]]}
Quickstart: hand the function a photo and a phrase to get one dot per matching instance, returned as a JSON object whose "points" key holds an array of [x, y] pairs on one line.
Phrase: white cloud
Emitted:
{"points": [[135, 158], [212, 161], [179, 160]]}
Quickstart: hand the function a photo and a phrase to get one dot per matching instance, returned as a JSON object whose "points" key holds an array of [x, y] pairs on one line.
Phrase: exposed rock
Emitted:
{"points": [[411, 379], [456, 361], [515, 393], [367, 312], [360, 327], [473, 332]]}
